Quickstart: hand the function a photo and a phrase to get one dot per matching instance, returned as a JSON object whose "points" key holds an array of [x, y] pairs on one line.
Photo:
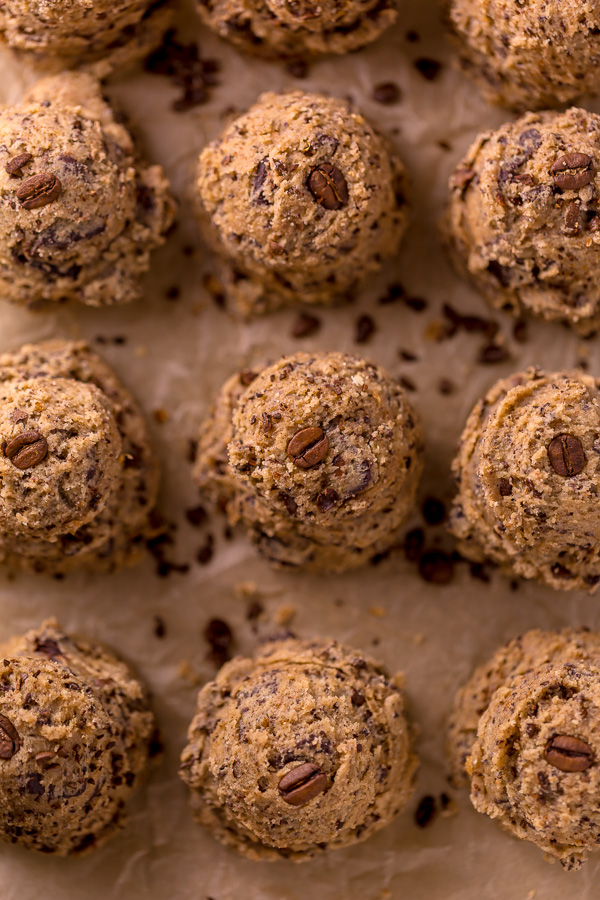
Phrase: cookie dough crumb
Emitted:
{"points": [[271, 778]]}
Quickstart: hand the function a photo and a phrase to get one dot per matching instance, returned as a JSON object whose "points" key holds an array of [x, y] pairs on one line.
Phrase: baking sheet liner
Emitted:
{"points": [[175, 356]]}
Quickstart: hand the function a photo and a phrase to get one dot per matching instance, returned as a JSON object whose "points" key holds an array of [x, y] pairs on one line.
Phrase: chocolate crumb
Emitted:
{"points": [[182, 63], [492, 354], [426, 811], [436, 567], [207, 551], [196, 516], [365, 326], [219, 637], [429, 68], [305, 326], [434, 511], [417, 304], [160, 629], [387, 93], [413, 544]]}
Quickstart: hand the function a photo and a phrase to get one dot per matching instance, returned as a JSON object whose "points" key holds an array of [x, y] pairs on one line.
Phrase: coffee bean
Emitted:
{"points": [[569, 754], [572, 171], [39, 190], [328, 186], [9, 739], [302, 784], [14, 165], [308, 447], [26, 450], [327, 499], [566, 455], [505, 488]]}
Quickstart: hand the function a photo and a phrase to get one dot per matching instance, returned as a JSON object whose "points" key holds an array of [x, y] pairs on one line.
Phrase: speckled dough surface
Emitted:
{"points": [[93, 34], [79, 214], [533, 762], [298, 28], [86, 495], [523, 219], [528, 472], [302, 199], [75, 732], [302, 707], [318, 455], [528, 55]]}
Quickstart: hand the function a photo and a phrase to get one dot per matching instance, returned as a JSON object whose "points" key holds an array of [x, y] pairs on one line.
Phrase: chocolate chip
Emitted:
{"points": [[492, 354], [429, 68], [34, 785], [39, 190], [387, 92], [302, 784], [328, 186], [413, 544], [425, 811], [566, 455], [358, 698], [26, 450], [289, 502], [10, 741], [247, 377], [305, 326], [572, 171], [327, 499], [196, 516], [48, 647], [505, 488], [219, 636], [569, 754], [572, 218], [436, 567], [365, 327], [434, 511], [14, 165], [308, 447]]}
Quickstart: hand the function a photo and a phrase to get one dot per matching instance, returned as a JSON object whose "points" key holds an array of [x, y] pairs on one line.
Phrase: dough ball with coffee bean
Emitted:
{"points": [[528, 471], [301, 199], [528, 55], [75, 740], [302, 749], [318, 455], [79, 213], [524, 220], [279, 29], [78, 478], [525, 733], [98, 36]]}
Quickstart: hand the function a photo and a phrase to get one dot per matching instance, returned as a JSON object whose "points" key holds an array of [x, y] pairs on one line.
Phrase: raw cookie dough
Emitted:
{"points": [[97, 35], [523, 219], [527, 725], [528, 473], [301, 199], [75, 739], [79, 213], [528, 55], [319, 456], [303, 749], [279, 29], [78, 478]]}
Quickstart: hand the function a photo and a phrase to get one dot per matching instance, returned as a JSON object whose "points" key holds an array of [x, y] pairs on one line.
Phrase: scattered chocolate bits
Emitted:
{"points": [[26, 450], [458, 321], [13, 166], [302, 784], [39, 190], [10, 741], [328, 186], [183, 64], [505, 488], [387, 93], [429, 68], [305, 325], [569, 754], [327, 499], [566, 455], [308, 447], [365, 327], [219, 636], [436, 567], [426, 811]]}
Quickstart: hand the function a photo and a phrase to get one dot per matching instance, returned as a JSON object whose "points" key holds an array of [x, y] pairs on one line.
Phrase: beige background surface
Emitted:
{"points": [[176, 355]]}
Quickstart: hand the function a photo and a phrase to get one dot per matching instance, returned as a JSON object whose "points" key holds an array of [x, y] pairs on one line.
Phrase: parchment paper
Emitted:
{"points": [[175, 357]]}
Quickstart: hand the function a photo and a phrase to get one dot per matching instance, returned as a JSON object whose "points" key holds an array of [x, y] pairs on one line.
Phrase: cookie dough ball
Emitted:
{"points": [[79, 213], [523, 221], [280, 29], [528, 55], [303, 749], [318, 455], [528, 472], [75, 739], [92, 34], [302, 199], [528, 722], [78, 477]]}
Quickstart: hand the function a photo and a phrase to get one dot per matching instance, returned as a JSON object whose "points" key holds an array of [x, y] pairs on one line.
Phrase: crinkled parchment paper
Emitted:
{"points": [[175, 356]]}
